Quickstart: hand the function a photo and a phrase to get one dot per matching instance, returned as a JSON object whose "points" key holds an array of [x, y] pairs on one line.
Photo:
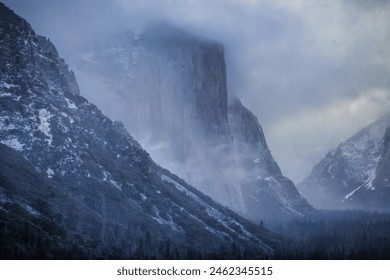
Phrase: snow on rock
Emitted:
{"points": [[348, 176], [50, 172], [144, 198], [228, 223], [9, 86], [108, 177], [13, 143], [5, 94], [30, 210], [71, 105], [181, 188], [169, 222], [115, 184], [44, 126]]}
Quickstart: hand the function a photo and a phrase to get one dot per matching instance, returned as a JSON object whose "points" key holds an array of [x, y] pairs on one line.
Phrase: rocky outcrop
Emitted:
{"points": [[170, 90], [355, 174], [264, 189]]}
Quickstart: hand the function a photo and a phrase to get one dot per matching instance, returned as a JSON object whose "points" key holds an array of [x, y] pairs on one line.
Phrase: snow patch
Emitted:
{"points": [[50, 172], [348, 196], [5, 94], [182, 189], [169, 222], [330, 170], [107, 177], [44, 126], [68, 117], [115, 184], [367, 184], [9, 86], [71, 105], [31, 210], [44, 57], [212, 212], [13, 143]]}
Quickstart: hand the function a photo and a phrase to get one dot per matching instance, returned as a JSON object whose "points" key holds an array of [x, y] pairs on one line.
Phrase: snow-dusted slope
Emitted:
{"points": [[170, 90], [354, 174], [70, 173]]}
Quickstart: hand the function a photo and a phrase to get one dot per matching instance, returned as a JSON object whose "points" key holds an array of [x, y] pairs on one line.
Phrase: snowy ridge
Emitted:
{"points": [[227, 222], [181, 188], [348, 176], [362, 151]]}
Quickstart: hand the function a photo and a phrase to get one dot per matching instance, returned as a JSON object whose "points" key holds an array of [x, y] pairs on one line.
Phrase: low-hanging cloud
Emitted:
{"points": [[301, 66], [312, 131]]}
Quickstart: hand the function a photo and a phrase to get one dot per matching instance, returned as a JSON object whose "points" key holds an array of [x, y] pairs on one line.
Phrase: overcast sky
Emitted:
{"points": [[313, 72]]}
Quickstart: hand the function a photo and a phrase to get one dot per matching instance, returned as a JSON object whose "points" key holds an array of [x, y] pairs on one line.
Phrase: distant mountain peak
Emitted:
{"points": [[349, 177]]}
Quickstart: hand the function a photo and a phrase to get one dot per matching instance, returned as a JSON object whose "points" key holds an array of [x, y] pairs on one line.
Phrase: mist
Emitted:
{"points": [[313, 73]]}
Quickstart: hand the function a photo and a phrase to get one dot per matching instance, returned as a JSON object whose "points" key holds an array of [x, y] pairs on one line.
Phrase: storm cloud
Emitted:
{"points": [[313, 72]]}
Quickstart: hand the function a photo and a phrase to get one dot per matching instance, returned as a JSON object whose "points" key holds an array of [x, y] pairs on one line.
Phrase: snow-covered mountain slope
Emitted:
{"points": [[354, 175], [77, 185], [169, 88]]}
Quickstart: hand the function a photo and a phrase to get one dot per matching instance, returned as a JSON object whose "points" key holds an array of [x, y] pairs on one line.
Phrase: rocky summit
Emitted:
{"points": [[356, 174]]}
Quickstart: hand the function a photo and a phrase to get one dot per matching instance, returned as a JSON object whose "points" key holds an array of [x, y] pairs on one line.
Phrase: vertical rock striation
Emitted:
{"points": [[170, 90]]}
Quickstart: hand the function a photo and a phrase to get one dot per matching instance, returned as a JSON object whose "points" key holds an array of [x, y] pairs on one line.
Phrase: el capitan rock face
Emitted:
{"points": [[74, 184], [169, 89], [355, 174]]}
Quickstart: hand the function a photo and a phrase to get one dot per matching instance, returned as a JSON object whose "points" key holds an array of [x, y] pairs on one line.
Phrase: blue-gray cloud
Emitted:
{"points": [[301, 66]]}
